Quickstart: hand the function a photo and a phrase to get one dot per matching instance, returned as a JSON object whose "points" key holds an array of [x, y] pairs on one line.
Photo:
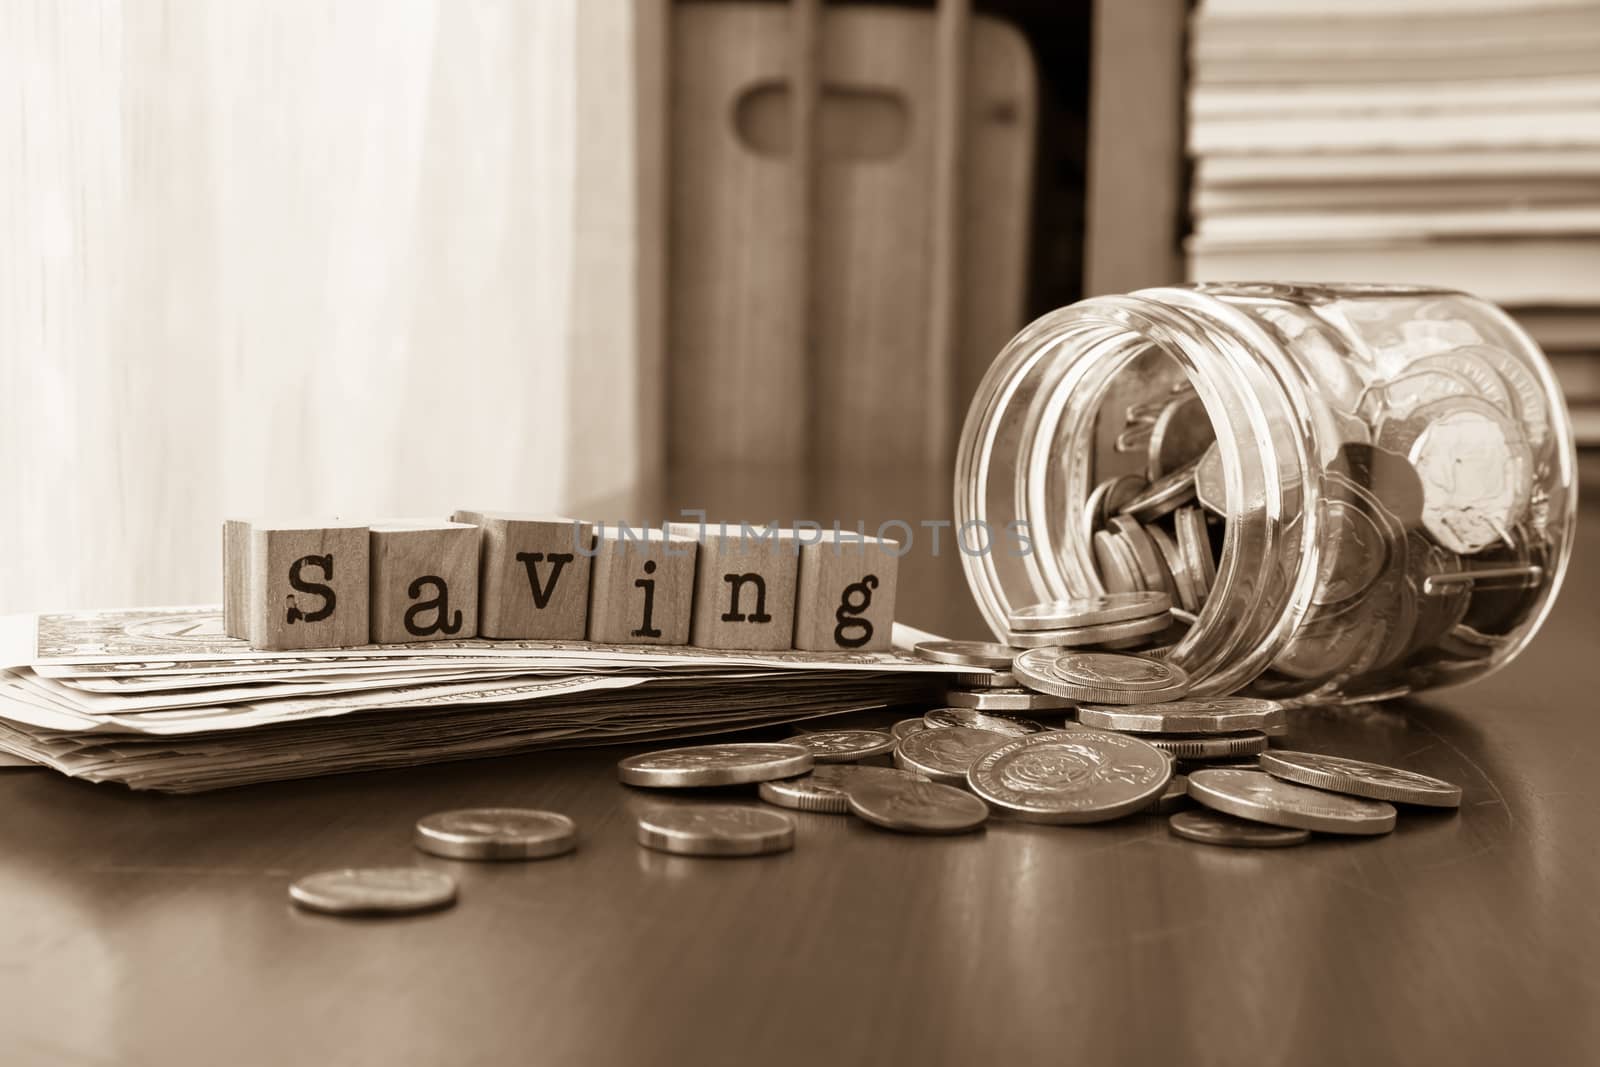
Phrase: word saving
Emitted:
{"points": [[505, 576]]}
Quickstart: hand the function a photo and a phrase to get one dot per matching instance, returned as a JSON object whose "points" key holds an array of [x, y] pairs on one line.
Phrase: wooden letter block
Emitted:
{"points": [[424, 581], [236, 578], [642, 588], [744, 587], [533, 583], [846, 594], [308, 585]]}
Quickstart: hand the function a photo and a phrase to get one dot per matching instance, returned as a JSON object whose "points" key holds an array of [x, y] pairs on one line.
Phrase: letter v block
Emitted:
{"points": [[534, 580], [308, 584], [424, 581], [643, 587], [846, 594], [744, 587]]}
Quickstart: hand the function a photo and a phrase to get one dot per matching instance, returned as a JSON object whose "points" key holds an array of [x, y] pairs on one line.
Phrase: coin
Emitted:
{"points": [[1180, 435], [1152, 572], [1108, 498], [495, 834], [1260, 797], [711, 765], [1188, 595], [1119, 572], [907, 726], [1082, 636], [1163, 496], [1353, 553], [1195, 545], [945, 754], [1215, 828], [716, 830], [1208, 715], [1174, 798], [1090, 610], [968, 653], [1071, 776], [826, 789], [1400, 396], [918, 807], [374, 891], [844, 746], [1211, 746], [1359, 778], [1477, 474], [1464, 363], [1012, 699], [944, 718], [982, 680], [1529, 407], [1210, 482], [1101, 677]]}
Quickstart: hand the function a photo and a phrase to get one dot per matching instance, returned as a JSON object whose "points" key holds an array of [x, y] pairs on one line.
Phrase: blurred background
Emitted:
{"points": [[388, 257]]}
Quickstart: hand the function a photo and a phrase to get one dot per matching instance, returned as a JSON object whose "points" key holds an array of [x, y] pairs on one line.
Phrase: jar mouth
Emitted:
{"points": [[1027, 455]]}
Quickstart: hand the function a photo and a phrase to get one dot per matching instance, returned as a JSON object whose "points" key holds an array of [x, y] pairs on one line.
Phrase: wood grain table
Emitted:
{"points": [[139, 929]]}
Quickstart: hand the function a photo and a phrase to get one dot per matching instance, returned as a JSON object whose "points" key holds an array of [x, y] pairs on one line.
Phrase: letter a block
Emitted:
{"points": [[534, 579], [424, 581], [308, 584], [846, 594], [642, 588], [744, 588]]}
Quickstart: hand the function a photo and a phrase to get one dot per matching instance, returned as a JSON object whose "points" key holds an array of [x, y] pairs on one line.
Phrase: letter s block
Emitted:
{"points": [[424, 581], [845, 601], [744, 588], [308, 585], [534, 581]]}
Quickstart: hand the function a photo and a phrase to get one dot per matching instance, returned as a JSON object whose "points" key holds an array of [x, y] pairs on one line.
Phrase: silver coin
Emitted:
{"points": [[1014, 699], [1071, 776], [1210, 482], [944, 718], [907, 726], [1101, 677], [1183, 583], [1195, 546], [1207, 715], [918, 807], [1175, 797], [711, 765], [1529, 407], [1108, 498], [1215, 828], [1119, 571], [1464, 363], [374, 891], [1258, 796], [1152, 572], [982, 680], [845, 746], [1101, 634], [945, 754], [826, 789], [1354, 553], [1180, 435], [716, 830], [1164, 496], [1211, 746], [968, 653], [1090, 611], [1477, 475], [495, 834], [1359, 778]]}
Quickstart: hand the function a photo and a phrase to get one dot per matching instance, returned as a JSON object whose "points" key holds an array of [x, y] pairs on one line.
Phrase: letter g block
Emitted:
{"points": [[845, 601]]}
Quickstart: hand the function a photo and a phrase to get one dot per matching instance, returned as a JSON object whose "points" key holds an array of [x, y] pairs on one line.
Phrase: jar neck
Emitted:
{"points": [[1027, 453]]}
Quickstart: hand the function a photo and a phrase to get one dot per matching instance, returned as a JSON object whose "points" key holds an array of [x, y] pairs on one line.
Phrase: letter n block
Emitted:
{"points": [[744, 588], [845, 601], [308, 585], [642, 588], [534, 580], [424, 581]]}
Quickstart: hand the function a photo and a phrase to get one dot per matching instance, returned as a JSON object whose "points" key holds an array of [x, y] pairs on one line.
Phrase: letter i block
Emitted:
{"points": [[642, 588], [534, 579], [308, 584], [424, 581], [744, 588], [846, 595]]}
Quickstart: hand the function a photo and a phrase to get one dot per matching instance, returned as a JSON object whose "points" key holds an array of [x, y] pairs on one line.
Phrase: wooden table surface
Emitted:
{"points": [[140, 929]]}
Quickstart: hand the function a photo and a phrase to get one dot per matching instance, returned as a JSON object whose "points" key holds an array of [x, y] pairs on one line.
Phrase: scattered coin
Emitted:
{"points": [[713, 765], [845, 746], [1215, 828], [945, 754], [1101, 634], [1175, 798], [1359, 778], [1090, 611], [1258, 796], [1071, 776], [716, 830], [982, 680], [495, 834], [968, 653], [826, 789], [918, 807], [1210, 715], [374, 891], [1210, 746], [1101, 677], [1014, 699], [943, 718], [907, 726]]}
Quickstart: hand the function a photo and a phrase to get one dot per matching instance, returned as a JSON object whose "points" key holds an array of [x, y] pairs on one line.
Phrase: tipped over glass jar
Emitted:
{"points": [[1347, 492]]}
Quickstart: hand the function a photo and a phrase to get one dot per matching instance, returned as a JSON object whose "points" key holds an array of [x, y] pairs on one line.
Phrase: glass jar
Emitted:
{"points": [[1370, 489]]}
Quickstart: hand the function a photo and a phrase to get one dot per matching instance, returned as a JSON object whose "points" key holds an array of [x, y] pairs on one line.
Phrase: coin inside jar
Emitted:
{"points": [[495, 834]]}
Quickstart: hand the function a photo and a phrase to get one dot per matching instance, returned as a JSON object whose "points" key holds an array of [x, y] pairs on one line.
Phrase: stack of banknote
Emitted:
{"points": [[161, 699]]}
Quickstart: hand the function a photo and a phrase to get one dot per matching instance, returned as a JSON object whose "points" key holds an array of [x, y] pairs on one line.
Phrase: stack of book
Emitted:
{"points": [[1443, 142]]}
